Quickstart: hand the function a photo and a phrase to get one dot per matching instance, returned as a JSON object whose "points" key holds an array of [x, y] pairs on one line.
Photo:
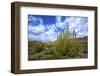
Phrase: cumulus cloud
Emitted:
{"points": [[48, 32], [58, 19], [79, 24]]}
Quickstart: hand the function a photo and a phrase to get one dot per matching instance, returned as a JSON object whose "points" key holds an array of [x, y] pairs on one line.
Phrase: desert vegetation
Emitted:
{"points": [[66, 46]]}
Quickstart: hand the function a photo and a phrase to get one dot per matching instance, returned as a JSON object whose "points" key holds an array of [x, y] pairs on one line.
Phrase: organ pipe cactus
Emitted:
{"points": [[73, 49], [66, 45]]}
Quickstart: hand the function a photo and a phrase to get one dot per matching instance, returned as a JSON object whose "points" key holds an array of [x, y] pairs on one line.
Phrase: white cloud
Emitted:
{"points": [[77, 24], [82, 34], [40, 37], [58, 18], [59, 23], [40, 20], [47, 32], [43, 35], [50, 34], [36, 28], [32, 18]]}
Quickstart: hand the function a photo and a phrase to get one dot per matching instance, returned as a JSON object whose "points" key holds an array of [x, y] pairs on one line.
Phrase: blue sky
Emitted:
{"points": [[45, 28]]}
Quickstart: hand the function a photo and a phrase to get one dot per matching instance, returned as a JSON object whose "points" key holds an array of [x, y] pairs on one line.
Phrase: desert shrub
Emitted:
{"points": [[39, 55], [39, 47]]}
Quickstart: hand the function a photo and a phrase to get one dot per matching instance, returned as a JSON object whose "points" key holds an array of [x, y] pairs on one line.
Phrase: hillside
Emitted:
{"points": [[38, 50]]}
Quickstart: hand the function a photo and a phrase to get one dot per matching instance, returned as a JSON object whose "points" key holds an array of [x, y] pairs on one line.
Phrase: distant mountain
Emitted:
{"points": [[83, 38]]}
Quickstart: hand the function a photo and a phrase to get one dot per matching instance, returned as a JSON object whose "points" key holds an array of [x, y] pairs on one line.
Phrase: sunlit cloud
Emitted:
{"points": [[46, 28]]}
